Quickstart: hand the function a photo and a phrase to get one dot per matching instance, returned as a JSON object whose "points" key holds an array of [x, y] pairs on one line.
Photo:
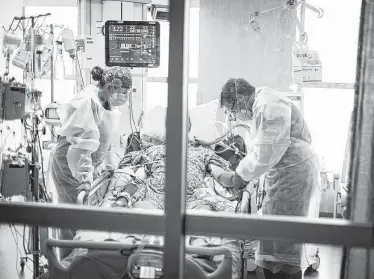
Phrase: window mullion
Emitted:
{"points": [[176, 145]]}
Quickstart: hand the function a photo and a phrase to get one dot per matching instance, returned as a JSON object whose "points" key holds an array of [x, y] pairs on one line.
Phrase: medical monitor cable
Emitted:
{"points": [[44, 187], [132, 120], [18, 250], [26, 255]]}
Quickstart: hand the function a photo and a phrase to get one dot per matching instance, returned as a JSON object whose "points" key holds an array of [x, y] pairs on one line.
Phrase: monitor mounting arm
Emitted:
{"points": [[290, 5]]}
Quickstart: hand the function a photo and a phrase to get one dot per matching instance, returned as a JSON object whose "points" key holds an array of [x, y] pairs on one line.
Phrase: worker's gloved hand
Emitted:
{"points": [[121, 202], [84, 187], [83, 191], [231, 180], [102, 169]]}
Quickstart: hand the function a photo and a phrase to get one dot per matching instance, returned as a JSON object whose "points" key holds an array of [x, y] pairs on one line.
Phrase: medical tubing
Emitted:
{"points": [[219, 139]]}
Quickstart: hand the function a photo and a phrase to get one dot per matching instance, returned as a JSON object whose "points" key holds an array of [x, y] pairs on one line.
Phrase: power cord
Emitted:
{"points": [[23, 264]]}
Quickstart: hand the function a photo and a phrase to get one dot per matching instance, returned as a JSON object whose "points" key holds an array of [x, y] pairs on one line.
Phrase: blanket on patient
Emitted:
{"points": [[202, 192], [199, 159]]}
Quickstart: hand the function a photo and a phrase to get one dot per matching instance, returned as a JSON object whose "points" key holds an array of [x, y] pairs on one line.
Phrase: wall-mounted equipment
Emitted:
{"points": [[15, 179], [306, 64], [289, 6], [159, 12], [133, 44]]}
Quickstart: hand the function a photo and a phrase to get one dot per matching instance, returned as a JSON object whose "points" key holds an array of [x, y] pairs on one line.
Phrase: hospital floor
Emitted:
{"points": [[10, 258]]}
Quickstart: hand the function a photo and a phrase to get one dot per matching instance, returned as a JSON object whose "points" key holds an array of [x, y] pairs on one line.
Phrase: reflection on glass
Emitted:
{"points": [[290, 144]]}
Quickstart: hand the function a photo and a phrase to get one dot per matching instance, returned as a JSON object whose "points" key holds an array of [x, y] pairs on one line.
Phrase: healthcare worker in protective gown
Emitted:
{"points": [[87, 127], [280, 149]]}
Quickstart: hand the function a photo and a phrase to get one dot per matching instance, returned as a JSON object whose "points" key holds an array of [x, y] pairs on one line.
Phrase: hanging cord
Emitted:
{"points": [[230, 147], [224, 136]]}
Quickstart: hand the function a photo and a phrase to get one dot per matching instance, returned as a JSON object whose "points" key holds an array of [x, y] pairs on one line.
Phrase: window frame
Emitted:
{"points": [[176, 223]]}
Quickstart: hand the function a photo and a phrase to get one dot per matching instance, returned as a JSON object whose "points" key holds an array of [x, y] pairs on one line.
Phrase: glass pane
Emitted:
{"points": [[330, 130], [328, 113], [335, 37], [17, 260], [319, 261], [257, 168], [156, 95], [16, 247]]}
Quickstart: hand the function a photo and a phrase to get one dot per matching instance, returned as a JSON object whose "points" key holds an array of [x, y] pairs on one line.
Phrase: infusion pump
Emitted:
{"points": [[51, 114]]}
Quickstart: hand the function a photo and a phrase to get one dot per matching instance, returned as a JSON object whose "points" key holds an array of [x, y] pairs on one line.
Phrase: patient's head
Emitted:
{"points": [[231, 155]]}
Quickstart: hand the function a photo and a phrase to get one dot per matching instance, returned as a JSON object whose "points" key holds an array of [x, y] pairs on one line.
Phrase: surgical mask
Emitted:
{"points": [[117, 99], [245, 115]]}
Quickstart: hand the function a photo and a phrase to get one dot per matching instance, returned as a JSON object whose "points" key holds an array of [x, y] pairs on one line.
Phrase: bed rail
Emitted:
{"points": [[193, 270]]}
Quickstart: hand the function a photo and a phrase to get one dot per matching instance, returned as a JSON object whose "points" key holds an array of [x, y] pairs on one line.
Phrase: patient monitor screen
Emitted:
{"points": [[132, 44]]}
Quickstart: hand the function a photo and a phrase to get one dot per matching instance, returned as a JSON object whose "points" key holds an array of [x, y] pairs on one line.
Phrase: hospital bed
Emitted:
{"points": [[125, 258], [131, 261]]}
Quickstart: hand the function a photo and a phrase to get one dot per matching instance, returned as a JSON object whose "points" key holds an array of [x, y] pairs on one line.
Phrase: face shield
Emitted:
{"points": [[239, 110]]}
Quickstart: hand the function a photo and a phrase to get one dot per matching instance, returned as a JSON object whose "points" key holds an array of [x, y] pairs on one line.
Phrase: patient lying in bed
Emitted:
{"points": [[139, 183]]}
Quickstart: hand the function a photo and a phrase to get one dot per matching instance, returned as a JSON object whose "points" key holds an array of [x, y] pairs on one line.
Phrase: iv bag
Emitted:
{"points": [[68, 41], [22, 57], [10, 42]]}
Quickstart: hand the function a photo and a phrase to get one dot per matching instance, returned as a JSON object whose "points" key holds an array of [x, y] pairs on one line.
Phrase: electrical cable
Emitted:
{"points": [[18, 273], [7, 136], [27, 251], [80, 69], [18, 250], [132, 116], [23, 238], [44, 187], [52, 133], [130, 108]]}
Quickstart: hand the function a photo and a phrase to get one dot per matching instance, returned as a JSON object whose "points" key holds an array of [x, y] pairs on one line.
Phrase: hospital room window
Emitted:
{"points": [[151, 191]]}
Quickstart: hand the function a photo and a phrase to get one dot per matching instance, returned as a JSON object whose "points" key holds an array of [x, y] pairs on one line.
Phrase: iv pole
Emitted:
{"points": [[34, 131], [34, 160]]}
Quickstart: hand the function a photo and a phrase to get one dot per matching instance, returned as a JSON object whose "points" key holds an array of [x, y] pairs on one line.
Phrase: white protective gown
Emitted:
{"points": [[281, 150], [85, 138]]}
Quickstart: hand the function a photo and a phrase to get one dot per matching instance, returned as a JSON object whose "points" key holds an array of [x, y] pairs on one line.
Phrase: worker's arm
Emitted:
{"points": [[271, 141], [81, 131]]}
